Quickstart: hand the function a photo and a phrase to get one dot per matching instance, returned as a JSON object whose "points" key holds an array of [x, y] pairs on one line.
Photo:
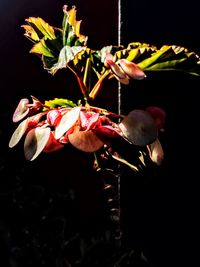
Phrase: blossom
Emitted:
{"points": [[123, 69], [50, 130], [86, 128]]}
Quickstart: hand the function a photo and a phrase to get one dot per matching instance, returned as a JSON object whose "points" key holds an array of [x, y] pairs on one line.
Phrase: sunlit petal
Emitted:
{"points": [[18, 133], [92, 121], [35, 142], [22, 110], [53, 117], [68, 120]]}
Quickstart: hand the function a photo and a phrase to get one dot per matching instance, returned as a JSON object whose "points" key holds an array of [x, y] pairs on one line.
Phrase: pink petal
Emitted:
{"points": [[52, 144], [19, 132], [21, 111], [131, 69], [68, 120], [84, 117], [109, 57], [85, 141], [36, 103], [35, 142], [34, 120], [119, 74], [64, 139], [92, 121], [53, 117]]}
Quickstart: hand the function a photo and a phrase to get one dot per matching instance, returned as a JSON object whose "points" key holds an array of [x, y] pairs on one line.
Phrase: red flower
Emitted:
{"points": [[49, 130]]}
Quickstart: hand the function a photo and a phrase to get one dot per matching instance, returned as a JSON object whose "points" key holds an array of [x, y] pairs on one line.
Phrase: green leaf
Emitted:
{"points": [[71, 28], [66, 55], [59, 102], [42, 49], [42, 28], [167, 58]]}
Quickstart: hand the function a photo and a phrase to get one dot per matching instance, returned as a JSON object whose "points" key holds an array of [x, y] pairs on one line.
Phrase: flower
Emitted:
{"points": [[49, 130], [123, 69]]}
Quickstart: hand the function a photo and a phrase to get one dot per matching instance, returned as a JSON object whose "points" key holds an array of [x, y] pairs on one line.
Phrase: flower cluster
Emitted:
{"points": [[48, 129]]}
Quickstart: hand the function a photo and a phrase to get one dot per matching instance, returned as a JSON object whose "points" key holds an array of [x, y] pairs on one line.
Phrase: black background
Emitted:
{"points": [[159, 215]]}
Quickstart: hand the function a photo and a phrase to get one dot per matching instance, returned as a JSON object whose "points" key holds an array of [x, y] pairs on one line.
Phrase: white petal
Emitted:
{"points": [[18, 133], [21, 111], [35, 142], [68, 120]]}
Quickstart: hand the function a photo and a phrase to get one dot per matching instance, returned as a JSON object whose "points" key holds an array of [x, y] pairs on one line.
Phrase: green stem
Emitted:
{"points": [[87, 73]]}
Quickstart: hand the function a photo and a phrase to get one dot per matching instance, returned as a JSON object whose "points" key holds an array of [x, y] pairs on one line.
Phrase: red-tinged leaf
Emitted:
{"points": [[52, 144], [18, 133], [35, 142], [68, 120], [156, 152], [22, 110], [85, 141]]}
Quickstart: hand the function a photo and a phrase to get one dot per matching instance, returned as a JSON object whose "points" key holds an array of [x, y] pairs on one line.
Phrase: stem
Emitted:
{"points": [[87, 73], [104, 111], [96, 89], [81, 84]]}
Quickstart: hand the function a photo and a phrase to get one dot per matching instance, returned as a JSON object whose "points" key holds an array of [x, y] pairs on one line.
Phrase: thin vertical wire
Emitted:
{"points": [[119, 112], [119, 43]]}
